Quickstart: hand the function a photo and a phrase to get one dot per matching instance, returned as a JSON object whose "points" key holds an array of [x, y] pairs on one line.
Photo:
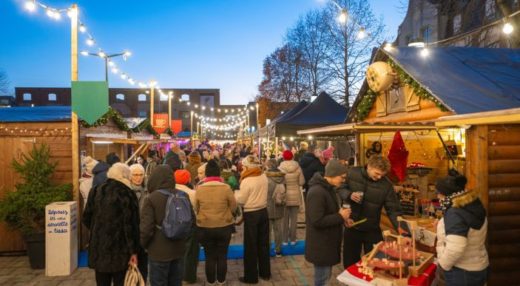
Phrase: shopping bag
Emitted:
{"points": [[133, 276]]}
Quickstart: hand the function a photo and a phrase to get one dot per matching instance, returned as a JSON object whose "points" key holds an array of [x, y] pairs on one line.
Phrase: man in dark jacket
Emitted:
{"points": [[324, 220], [164, 254], [101, 169], [310, 164], [369, 191]]}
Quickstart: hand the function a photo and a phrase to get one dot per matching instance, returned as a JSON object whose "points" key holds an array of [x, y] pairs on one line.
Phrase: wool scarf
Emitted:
{"points": [[250, 172]]}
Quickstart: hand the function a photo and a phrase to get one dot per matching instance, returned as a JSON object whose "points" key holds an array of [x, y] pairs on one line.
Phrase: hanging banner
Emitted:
{"points": [[90, 99], [160, 122], [176, 126]]}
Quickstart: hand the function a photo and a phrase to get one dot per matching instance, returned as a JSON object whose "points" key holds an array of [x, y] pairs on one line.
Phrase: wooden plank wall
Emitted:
{"points": [[504, 203], [12, 146]]}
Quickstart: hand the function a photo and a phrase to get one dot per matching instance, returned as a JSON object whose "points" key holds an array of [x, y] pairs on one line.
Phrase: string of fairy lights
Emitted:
{"points": [[230, 117]]}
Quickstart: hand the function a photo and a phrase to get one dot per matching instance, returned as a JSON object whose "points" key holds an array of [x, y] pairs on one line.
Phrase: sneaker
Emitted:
{"points": [[278, 254], [293, 243]]}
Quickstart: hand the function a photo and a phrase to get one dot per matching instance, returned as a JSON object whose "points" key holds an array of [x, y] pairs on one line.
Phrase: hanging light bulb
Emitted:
{"points": [[84, 53], [102, 54], [111, 63], [361, 34], [30, 5], [388, 47], [424, 52], [124, 76], [90, 42], [343, 15], [82, 28], [115, 70], [507, 28]]}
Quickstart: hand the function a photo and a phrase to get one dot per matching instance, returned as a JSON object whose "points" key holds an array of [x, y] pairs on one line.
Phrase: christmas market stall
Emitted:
{"points": [[418, 108], [323, 111]]}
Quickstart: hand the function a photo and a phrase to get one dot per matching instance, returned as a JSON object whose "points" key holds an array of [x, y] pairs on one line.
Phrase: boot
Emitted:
{"points": [[221, 283], [210, 284]]}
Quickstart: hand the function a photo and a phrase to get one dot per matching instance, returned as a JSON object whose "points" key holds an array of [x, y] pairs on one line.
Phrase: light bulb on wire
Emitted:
{"points": [[90, 42], [342, 18], [361, 34], [30, 5], [507, 28], [82, 28]]}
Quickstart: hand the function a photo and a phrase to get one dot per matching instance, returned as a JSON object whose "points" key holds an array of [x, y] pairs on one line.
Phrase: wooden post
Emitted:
{"points": [[477, 170], [152, 87], [170, 110], [74, 116]]}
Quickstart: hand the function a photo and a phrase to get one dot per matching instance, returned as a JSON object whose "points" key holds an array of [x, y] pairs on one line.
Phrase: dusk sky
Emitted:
{"points": [[180, 43]]}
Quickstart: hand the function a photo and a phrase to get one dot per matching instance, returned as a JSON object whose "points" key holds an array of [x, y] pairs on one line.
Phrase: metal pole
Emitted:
{"points": [[106, 69], [152, 87], [74, 119], [191, 129]]}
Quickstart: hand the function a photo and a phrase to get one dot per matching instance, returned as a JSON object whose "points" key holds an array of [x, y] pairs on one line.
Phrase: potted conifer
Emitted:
{"points": [[24, 208]]}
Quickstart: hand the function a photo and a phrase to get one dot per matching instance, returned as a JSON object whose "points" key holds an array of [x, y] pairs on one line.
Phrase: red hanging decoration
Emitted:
{"points": [[398, 156]]}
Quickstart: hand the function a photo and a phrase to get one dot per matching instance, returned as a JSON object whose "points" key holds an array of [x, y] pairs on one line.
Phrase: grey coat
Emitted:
{"points": [[294, 179], [274, 177]]}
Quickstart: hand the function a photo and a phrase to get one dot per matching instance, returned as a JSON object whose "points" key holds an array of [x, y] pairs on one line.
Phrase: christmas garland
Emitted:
{"points": [[120, 123], [365, 105]]}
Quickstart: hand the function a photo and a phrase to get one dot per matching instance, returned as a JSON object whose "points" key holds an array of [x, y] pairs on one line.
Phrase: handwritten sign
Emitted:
{"points": [[61, 239]]}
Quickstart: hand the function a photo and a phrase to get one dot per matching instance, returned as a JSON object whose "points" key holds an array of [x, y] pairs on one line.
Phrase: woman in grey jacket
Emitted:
{"points": [[294, 180]]}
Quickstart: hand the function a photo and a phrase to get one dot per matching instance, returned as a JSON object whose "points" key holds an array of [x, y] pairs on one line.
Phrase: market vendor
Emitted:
{"points": [[461, 234], [369, 190]]}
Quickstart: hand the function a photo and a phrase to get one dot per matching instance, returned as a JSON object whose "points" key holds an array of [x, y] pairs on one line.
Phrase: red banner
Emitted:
{"points": [[176, 126], [160, 122]]}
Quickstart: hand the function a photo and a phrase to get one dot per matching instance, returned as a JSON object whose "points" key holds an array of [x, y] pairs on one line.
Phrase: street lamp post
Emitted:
{"points": [[107, 58]]}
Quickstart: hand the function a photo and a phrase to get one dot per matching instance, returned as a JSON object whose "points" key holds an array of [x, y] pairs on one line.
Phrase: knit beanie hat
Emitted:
{"points": [[328, 153], [182, 177], [89, 164], [112, 158], [212, 169], [334, 168], [451, 184], [251, 161], [287, 155]]}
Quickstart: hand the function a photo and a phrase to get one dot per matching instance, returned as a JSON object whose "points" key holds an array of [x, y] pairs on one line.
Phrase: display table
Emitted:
{"points": [[352, 277]]}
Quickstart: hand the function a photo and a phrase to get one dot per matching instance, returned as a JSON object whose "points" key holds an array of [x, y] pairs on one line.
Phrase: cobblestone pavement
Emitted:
{"points": [[288, 270]]}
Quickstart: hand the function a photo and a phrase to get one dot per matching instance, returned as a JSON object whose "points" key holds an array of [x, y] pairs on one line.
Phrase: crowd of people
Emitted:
{"points": [[225, 186]]}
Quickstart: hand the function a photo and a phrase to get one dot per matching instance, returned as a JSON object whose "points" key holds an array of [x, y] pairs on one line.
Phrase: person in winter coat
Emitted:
{"points": [[275, 211], [85, 182], [461, 234], [137, 180], [214, 205], [310, 164], [194, 162], [165, 255], [294, 180], [137, 185], [227, 174], [304, 146], [369, 190], [253, 197], [173, 160], [324, 221], [191, 257], [112, 216]]}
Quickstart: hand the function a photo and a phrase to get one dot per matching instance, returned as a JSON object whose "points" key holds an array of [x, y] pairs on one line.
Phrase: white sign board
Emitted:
{"points": [[61, 238]]}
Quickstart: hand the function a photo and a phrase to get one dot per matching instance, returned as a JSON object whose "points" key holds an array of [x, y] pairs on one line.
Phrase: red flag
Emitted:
{"points": [[398, 156]]}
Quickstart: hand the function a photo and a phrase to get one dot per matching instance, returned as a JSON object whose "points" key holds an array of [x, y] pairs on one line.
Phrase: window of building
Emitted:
{"points": [[163, 97], [52, 97], [185, 97], [207, 100], [120, 96], [490, 9], [141, 97], [395, 101], [143, 113], [27, 97], [457, 23]]}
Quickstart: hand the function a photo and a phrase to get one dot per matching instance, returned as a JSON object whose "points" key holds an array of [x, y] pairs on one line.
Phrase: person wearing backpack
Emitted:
{"points": [[276, 198], [214, 205], [294, 180], [165, 254]]}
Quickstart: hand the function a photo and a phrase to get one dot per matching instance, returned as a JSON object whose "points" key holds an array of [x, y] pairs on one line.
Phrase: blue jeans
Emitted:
{"points": [[460, 277], [166, 273], [322, 275]]}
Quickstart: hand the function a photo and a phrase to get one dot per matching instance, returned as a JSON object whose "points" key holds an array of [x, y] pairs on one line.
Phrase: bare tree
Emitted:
{"points": [[283, 75], [310, 37], [4, 82], [350, 51]]}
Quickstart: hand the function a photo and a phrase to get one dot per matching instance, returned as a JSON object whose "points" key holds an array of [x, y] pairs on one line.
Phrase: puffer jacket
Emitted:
{"points": [[324, 224], [461, 235], [377, 194], [274, 177], [294, 179], [310, 164]]}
